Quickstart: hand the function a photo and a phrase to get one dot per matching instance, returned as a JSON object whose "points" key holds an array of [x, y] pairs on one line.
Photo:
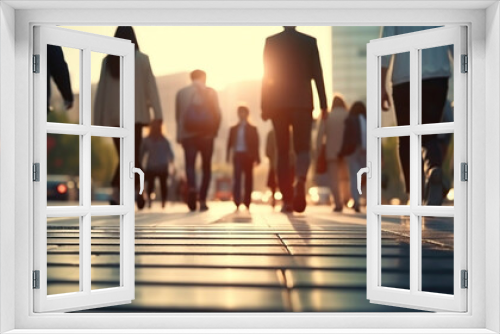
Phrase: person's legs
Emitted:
{"points": [[137, 152], [401, 97], [302, 127], [115, 181], [281, 125], [237, 171], [190, 152], [434, 92], [333, 172], [150, 184], [163, 187], [248, 170], [206, 147], [354, 162]]}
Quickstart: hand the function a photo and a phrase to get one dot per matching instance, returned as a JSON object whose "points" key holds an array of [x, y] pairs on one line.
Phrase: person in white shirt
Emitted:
{"points": [[436, 71], [243, 141]]}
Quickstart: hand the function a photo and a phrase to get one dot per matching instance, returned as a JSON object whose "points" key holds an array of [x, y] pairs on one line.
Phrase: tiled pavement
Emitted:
{"points": [[260, 261]]}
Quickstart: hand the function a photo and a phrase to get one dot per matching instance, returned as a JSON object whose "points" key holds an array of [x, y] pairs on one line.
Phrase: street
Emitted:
{"points": [[257, 261]]}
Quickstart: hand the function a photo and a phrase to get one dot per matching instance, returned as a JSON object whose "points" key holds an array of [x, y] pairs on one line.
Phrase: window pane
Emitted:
{"points": [[105, 170], [63, 84], [437, 85], [395, 256], [395, 103], [105, 242], [437, 254], [63, 166], [63, 255], [395, 170], [105, 80], [438, 169]]}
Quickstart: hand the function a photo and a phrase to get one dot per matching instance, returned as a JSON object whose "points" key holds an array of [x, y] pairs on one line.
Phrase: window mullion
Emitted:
{"points": [[85, 161], [414, 168]]}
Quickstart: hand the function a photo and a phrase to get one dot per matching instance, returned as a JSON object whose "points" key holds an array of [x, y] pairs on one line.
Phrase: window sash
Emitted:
{"points": [[86, 297], [414, 43]]}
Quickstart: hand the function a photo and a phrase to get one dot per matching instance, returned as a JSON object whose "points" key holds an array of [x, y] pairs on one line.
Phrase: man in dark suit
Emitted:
{"points": [[291, 61], [244, 142]]}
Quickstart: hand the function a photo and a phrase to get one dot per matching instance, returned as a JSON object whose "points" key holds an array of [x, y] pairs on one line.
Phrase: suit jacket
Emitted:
{"points": [[251, 140], [291, 61]]}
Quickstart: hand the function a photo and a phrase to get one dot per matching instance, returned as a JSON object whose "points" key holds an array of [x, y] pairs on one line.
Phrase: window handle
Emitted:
{"points": [[368, 171], [133, 170]]}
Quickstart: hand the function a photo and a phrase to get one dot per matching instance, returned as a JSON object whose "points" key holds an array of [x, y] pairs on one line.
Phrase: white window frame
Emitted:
{"points": [[85, 298], [414, 43], [484, 50]]}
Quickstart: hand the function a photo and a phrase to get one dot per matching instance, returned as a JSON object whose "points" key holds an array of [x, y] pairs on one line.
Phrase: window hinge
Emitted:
{"points": [[36, 63], [465, 279], [464, 171], [36, 172], [465, 63], [36, 279]]}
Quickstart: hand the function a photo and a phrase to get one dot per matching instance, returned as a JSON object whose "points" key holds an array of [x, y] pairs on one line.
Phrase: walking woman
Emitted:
{"points": [[330, 134], [107, 102], [354, 146]]}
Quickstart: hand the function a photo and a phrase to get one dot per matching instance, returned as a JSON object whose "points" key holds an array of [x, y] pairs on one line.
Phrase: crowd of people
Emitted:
{"points": [[291, 63]]}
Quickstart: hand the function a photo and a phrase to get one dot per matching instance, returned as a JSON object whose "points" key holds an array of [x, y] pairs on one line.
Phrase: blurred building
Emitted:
{"points": [[349, 60]]}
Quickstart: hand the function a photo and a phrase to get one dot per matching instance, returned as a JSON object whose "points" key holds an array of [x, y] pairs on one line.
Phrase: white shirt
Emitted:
{"points": [[240, 145], [435, 61]]}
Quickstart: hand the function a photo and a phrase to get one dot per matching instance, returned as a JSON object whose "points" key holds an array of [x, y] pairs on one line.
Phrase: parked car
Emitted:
{"points": [[62, 188]]}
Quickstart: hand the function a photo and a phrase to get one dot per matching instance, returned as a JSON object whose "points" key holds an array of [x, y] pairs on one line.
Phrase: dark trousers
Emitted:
{"points": [[205, 147], [115, 182], [434, 92], [298, 121], [150, 180], [243, 165]]}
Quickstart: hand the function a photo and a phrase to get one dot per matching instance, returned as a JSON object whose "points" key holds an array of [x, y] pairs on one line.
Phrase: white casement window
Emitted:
{"points": [[411, 50], [22, 96], [80, 213]]}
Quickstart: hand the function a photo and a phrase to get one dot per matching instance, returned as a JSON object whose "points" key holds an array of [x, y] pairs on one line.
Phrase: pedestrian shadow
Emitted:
{"points": [[237, 218], [300, 226]]}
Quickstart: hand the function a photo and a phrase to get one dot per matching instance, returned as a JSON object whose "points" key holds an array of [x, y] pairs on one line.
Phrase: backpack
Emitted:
{"points": [[352, 135], [201, 118]]}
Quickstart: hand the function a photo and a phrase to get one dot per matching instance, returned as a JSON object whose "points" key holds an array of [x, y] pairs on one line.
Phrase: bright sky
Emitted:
{"points": [[227, 54]]}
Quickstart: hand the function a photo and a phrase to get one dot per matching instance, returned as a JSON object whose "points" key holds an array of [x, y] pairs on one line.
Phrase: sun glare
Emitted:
{"points": [[227, 54]]}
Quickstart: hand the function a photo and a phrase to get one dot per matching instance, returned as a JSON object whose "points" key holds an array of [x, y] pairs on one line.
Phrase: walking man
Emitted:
{"points": [[244, 142], [198, 116], [291, 61]]}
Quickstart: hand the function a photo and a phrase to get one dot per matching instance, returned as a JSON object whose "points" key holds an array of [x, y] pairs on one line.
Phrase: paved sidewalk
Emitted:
{"points": [[259, 261]]}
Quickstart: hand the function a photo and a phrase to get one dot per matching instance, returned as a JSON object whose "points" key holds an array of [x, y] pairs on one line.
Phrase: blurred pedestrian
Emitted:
{"points": [[435, 72], [291, 61], [354, 146], [198, 117], [159, 157], [57, 69], [330, 133], [243, 141], [107, 103]]}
